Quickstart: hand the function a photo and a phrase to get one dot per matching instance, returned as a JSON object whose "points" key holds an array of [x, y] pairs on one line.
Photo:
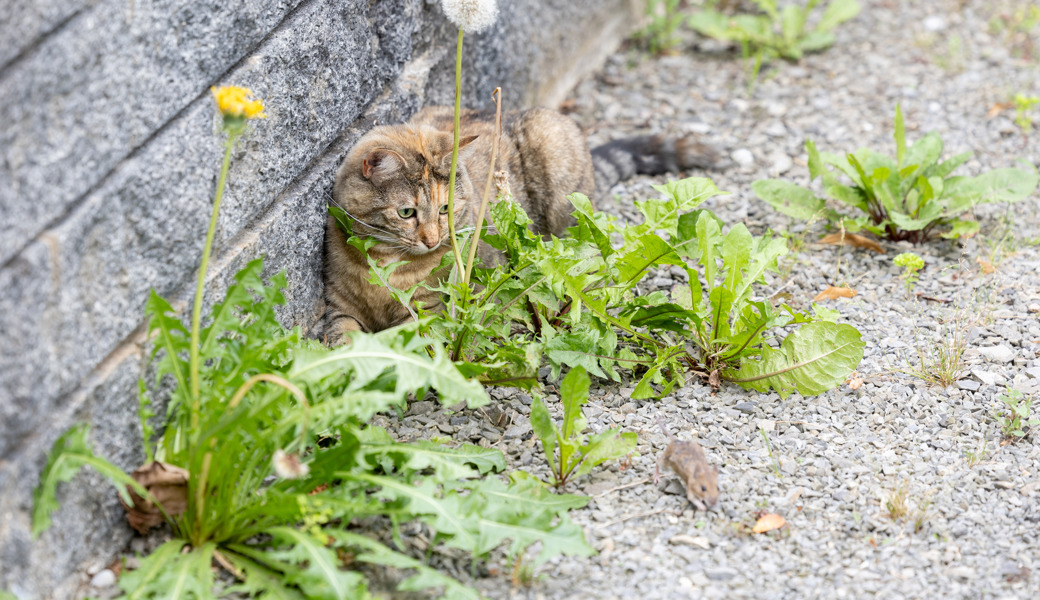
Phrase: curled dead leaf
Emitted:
{"points": [[835, 292], [854, 240], [997, 108], [167, 484], [768, 522], [986, 266]]}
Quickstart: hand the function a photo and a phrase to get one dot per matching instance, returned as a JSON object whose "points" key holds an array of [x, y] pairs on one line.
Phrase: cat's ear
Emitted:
{"points": [[380, 165], [469, 139]]}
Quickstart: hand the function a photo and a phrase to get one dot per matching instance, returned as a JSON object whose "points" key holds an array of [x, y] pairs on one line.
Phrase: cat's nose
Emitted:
{"points": [[429, 239]]}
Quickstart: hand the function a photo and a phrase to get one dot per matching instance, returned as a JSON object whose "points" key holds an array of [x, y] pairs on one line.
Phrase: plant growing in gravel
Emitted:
{"points": [[979, 454], [575, 301], [787, 32], [911, 264], [1023, 107], [265, 462], [907, 198], [1016, 417], [569, 451], [897, 506], [664, 19], [941, 362]]}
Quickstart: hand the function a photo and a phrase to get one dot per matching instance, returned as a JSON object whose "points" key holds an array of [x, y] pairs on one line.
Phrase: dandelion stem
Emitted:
{"points": [[497, 97], [455, 156], [196, 312]]}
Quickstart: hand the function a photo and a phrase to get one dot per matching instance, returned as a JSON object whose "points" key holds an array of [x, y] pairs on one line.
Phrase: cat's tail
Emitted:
{"points": [[650, 155]]}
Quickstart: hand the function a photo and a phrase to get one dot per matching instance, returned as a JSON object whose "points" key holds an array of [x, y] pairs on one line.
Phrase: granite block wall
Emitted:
{"points": [[108, 161]]}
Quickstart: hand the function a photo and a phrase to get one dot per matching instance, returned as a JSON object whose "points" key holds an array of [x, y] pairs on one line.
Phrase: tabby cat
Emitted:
{"points": [[394, 186]]}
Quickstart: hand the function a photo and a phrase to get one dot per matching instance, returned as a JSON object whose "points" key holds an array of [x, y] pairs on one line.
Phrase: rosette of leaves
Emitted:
{"points": [[777, 32], [268, 392], [910, 197]]}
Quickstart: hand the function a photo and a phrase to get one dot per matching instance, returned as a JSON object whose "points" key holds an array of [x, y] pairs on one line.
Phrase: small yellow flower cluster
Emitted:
{"points": [[235, 102]]}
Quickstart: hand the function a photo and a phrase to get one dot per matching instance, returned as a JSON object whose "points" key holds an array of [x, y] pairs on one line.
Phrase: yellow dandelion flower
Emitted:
{"points": [[236, 103]]}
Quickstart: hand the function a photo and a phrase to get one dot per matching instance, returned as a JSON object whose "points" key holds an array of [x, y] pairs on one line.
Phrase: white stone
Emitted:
{"points": [[743, 157], [782, 163], [1001, 354], [935, 23], [105, 578]]}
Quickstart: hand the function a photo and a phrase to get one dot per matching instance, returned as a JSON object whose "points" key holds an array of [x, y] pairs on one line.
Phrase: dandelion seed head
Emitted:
{"points": [[288, 466], [472, 16]]}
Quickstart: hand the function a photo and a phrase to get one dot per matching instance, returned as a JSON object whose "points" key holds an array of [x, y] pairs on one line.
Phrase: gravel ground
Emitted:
{"points": [[972, 528]]}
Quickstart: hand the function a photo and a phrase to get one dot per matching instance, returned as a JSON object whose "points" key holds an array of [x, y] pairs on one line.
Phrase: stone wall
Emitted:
{"points": [[108, 160]]}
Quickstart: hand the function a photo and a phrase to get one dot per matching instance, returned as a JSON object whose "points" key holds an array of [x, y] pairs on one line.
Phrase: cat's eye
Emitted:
{"points": [[444, 209], [406, 213]]}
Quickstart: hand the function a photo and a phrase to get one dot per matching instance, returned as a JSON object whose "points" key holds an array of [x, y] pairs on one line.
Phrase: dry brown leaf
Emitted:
{"points": [[986, 266], [835, 292], [167, 484], [855, 383], [768, 522], [854, 240], [998, 108]]}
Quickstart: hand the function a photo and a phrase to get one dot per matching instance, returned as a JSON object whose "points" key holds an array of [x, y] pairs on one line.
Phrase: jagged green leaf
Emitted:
{"points": [[168, 573], [71, 452]]}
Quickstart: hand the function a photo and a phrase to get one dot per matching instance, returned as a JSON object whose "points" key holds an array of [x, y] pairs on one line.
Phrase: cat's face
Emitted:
{"points": [[401, 195]]}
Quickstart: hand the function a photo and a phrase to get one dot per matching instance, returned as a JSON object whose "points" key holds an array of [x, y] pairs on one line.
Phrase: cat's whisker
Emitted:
{"points": [[370, 226]]}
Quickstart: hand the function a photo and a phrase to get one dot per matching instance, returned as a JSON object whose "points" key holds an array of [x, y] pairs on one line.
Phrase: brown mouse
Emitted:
{"points": [[688, 461]]}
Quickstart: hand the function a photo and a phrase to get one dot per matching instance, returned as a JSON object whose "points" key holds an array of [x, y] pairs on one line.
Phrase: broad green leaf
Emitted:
{"points": [[609, 445], [925, 216], [817, 357], [851, 196], [792, 23], [817, 167], [442, 511], [709, 235], [319, 574], [563, 538], [545, 431], [641, 254], [260, 582], [425, 577], [961, 229], [527, 490], [170, 574], [574, 393], [838, 12], [684, 195], [841, 162], [943, 169], [590, 224], [925, 152], [449, 463], [581, 347], [999, 185], [788, 198], [368, 357]]}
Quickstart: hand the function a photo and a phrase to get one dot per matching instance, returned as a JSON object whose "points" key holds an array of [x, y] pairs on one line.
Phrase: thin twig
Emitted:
{"points": [[497, 97], [635, 516], [622, 487]]}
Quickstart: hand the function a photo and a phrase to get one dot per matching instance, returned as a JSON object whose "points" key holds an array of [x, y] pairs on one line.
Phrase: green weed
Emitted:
{"points": [[1016, 418], [908, 198], [567, 448]]}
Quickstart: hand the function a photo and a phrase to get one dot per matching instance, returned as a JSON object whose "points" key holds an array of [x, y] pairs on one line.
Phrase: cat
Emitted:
{"points": [[393, 184]]}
